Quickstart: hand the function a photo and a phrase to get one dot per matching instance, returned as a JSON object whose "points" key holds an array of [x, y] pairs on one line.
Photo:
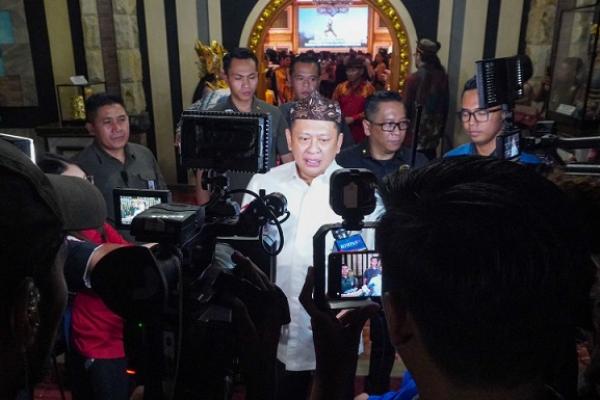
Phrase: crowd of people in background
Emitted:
{"points": [[374, 69]]}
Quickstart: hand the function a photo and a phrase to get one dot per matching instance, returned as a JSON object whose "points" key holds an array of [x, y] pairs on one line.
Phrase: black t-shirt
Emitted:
{"points": [[358, 156]]}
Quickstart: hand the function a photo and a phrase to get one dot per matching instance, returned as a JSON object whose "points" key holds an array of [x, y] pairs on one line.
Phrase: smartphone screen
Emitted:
{"points": [[355, 274], [509, 145]]}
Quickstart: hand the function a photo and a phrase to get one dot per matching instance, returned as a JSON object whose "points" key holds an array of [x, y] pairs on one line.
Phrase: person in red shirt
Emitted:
{"points": [[97, 360], [352, 95]]}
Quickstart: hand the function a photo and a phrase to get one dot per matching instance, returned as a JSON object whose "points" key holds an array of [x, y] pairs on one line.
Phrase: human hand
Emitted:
{"points": [[259, 325], [336, 339], [348, 120]]}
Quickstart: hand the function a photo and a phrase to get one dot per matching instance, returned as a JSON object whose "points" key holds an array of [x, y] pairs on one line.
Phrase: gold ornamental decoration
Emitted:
{"points": [[386, 11], [78, 107], [210, 61]]}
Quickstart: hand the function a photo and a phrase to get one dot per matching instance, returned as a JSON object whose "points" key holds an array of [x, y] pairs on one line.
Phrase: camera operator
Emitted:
{"points": [[97, 363], [482, 126], [314, 140], [34, 212], [483, 303]]}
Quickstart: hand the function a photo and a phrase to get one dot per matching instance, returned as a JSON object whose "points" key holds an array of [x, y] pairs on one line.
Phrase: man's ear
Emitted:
{"points": [[288, 136], [340, 141], [90, 128], [367, 127], [401, 325], [25, 314]]}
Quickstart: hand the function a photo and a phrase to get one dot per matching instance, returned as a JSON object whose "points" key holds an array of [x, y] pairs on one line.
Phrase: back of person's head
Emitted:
{"points": [[30, 218], [492, 267], [98, 100], [382, 96], [51, 163], [427, 50], [283, 54], [306, 58], [239, 53], [31, 296], [272, 55], [35, 211], [56, 164]]}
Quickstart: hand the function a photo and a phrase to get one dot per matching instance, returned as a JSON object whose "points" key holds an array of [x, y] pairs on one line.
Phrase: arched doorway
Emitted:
{"points": [[392, 13]]}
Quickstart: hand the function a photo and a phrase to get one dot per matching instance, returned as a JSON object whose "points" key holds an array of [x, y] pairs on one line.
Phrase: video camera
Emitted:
{"points": [[352, 196], [177, 292], [500, 83]]}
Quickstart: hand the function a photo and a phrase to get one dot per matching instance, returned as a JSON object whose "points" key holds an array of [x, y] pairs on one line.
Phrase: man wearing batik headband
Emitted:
{"points": [[314, 139]]}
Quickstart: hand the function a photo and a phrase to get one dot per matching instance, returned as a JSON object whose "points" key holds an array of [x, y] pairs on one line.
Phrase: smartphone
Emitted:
{"points": [[508, 145], [354, 275]]}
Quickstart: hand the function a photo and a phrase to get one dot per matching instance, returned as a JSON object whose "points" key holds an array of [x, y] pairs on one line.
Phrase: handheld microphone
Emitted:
{"points": [[347, 242]]}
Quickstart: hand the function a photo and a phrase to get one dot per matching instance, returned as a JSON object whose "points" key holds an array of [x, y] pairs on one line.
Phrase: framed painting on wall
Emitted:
{"points": [[26, 80]]}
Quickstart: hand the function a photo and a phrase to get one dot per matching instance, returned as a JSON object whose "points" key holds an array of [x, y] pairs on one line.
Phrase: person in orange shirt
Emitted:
{"points": [[352, 95], [285, 92]]}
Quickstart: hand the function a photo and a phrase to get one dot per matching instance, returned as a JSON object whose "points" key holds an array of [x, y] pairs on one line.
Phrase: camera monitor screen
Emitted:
{"points": [[24, 144], [131, 202], [354, 275], [227, 141]]}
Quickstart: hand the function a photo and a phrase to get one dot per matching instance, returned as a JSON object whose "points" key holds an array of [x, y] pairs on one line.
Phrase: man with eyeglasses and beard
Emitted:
{"points": [[482, 125], [385, 126]]}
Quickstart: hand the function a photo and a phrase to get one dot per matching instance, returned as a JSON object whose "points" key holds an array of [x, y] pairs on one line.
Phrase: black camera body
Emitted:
{"points": [[188, 326], [352, 196], [499, 83]]}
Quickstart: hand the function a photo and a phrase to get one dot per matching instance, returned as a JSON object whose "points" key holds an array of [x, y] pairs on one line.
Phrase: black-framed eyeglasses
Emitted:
{"points": [[480, 115], [391, 126]]}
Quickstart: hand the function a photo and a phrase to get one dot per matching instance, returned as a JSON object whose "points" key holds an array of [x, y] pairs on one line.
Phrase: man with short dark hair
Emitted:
{"points": [[305, 74], [241, 73], [385, 125], [484, 271], [111, 159], [482, 125], [35, 210]]}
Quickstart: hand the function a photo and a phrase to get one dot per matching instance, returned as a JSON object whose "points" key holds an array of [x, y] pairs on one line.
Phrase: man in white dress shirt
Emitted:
{"points": [[314, 140]]}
